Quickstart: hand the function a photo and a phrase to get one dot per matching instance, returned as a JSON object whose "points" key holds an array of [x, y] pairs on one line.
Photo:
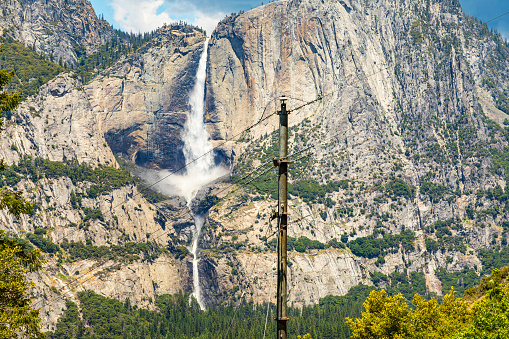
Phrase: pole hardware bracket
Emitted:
{"points": [[279, 161], [274, 216], [282, 319]]}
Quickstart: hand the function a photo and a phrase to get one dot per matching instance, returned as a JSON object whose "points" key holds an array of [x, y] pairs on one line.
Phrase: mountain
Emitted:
{"points": [[408, 137], [141, 101], [58, 28], [405, 187]]}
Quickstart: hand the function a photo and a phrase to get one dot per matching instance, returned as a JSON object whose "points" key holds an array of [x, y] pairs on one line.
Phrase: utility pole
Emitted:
{"points": [[282, 162]]}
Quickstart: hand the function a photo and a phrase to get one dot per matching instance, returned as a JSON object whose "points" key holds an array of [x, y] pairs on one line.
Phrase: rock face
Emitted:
{"points": [[59, 28], [406, 100], [143, 101], [59, 124], [404, 140]]}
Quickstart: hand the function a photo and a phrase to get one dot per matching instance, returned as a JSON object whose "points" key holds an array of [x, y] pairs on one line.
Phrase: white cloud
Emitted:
{"points": [[207, 22], [139, 15], [146, 15]]}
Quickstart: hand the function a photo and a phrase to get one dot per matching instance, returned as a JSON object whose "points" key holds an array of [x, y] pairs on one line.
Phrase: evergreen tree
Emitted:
{"points": [[17, 318]]}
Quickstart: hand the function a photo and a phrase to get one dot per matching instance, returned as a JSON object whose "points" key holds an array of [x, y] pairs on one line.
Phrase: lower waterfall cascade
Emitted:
{"points": [[199, 154]]}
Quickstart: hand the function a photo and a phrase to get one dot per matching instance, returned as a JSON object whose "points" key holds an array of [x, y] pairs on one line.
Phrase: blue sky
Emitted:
{"points": [[146, 15]]}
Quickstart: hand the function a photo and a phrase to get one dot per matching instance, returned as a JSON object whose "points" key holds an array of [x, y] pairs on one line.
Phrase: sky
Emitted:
{"points": [[147, 15]]}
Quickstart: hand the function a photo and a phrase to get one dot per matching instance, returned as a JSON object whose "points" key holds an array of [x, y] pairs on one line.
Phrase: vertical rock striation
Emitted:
{"points": [[143, 101]]}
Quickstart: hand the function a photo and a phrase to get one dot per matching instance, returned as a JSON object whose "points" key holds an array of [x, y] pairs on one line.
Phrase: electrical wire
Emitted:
{"points": [[187, 164], [319, 98], [410, 302], [269, 226], [496, 17]]}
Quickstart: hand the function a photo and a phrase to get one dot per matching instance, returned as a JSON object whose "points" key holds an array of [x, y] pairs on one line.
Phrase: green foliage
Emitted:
{"points": [[105, 178], [149, 194], [31, 70], [392, 317], [502, 102], [379, 278], [446, 241], [177, 318], [302, 243], [399, 188], [431, 245], [17, 257], [92, 214], [180, 252], [309, 190], [401, 282], [42, 243], [372, 247], [487, 283], [16, 314], [461, 281], [108, 54], [69, 325], [15, 203], [493, 258], [490, 315], [129, 252], [500, 162], [435, 191]]}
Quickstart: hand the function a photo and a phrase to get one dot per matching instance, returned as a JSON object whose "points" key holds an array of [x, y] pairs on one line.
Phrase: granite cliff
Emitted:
{"points": [[59, 29], [407, 173], [405, 128], [142, 100]]}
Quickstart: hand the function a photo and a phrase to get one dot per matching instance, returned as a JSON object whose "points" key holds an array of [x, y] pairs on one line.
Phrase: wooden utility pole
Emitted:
{"points": [[282, 162]]}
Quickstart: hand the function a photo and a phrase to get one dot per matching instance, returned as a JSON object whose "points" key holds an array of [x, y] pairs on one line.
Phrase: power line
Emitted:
{"points": [[388, 286], [187, 164], [269, 226], [262, 119], [196, 159], [319, 98], [179, 169], [496, 18], [186, 212]]}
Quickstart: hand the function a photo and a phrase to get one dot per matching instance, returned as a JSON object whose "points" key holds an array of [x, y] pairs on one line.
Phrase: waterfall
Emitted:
{"points": [[198, 221], [196, 139], [198, 150], [201, 169]]}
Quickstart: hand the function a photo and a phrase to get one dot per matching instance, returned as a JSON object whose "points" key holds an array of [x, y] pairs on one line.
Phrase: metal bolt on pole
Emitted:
{"points": [[282, 315]]}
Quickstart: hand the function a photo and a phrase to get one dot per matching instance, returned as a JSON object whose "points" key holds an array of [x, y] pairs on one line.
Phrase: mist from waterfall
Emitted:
{"points": [[201, 169]]}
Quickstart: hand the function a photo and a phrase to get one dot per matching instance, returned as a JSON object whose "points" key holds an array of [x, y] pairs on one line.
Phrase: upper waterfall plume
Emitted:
{"points": [[196, 139]]}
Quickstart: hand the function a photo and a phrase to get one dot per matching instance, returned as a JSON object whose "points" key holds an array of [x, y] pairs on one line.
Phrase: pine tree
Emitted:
{"points": [[16, 259]]}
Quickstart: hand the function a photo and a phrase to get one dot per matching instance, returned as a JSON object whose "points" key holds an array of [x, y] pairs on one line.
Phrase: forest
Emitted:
{"points": [[179, 318], [364, 312]]}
